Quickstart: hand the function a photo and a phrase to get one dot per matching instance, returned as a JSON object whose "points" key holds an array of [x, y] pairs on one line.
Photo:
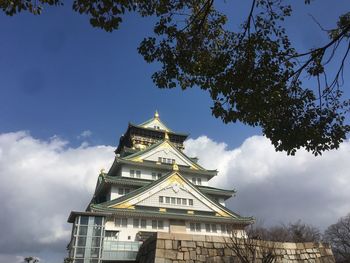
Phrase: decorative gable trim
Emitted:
{"points": [[173, 180]]}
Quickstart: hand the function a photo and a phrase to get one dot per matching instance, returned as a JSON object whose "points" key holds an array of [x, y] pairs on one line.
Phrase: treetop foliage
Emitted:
{"points": [[253, 75]]}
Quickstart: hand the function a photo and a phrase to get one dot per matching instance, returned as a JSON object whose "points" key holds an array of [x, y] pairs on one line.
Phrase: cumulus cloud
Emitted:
{"points": [[41, 182], [277, 188], [85, 134]]}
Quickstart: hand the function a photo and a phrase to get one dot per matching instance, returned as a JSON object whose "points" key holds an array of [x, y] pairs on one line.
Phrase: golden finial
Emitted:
{"points": [[166, 136], [102, 171], [156, 115], [175, 167]]}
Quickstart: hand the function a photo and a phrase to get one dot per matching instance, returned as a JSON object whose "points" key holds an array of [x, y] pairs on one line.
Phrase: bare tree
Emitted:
{"points": [[249, 250], [338, 235], [31, 259]]}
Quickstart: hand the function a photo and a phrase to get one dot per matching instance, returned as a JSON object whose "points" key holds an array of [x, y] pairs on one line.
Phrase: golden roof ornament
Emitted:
{"points": [[156, 115], [175, 167], [102, 171], [166, 136]]}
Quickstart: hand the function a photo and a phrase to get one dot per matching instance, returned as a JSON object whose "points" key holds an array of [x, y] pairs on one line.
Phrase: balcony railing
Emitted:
{"points": [[120, 250]]}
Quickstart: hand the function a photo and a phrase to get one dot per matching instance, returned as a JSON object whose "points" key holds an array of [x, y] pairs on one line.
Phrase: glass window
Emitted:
{"points": [[98, 220], [121, 222], [83, 230], [184, 201], [199, 181], [138, 174], [121, 191], [81, 241], [159, 175], [95, 242], [178, 201], [223, 228], [143, 223], [84, 220], [172, 161], [167, 200], [136, 223], [192, 226], [160, 224], [154, 224], [160, 159], [173, 200], [80, 252], [154, 176], [96, 231], [79, 261], [193, 180], [127, 190], [198, 227], [190, 201], [132, 173], [213, 228], [95, 252], [168, 160], [160, 199], [207, 227], [164, 160]]}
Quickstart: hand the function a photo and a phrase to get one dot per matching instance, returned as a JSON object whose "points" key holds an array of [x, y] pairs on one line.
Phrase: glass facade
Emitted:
{"points": [[86, 244]]}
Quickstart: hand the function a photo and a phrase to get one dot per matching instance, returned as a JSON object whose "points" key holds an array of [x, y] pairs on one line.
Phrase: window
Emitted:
{"points": [[83, 230], [157, 224], [195, 227], [80, 252], [207, 227], [197, 180], [84, 220], [184, 201], [111, 234], [127, 190], [225, 229], [136, 222], [166, 160], [81, 241], [121, 191], [143, 223], [190, 202], [121, 222], [98, 220], [178, 201], [138, 174], [161, 199], [156, 176], [95, 242], [173, 200], [132, 173], [167, 200], [210, 228]]}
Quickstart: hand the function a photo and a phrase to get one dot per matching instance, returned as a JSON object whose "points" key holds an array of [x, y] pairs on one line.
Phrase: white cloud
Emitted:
{"points": [[41, 182], [85, 134], [278, 188]]}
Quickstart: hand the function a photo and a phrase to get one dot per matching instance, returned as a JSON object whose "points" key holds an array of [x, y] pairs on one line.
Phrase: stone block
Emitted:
{"points": [[170, 254], [218, 245], [168, 244], [180, 256], [186, 255], [208, 244], [193, 255], [199, 243], [160, 244], [188, 244], [176, 244], [160, 253], [204, 251], [201, 258], [198, 250], [159, 260]]}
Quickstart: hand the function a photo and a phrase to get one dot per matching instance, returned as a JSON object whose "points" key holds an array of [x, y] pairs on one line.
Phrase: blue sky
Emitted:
{"points": [[60, 77]]}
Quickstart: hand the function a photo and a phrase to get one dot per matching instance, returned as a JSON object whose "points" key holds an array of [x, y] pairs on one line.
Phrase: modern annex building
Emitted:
{"points": [[152, 186]]}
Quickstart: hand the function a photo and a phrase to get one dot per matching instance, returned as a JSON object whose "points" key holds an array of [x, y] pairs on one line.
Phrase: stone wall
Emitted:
{"points": [[185, 248]]}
